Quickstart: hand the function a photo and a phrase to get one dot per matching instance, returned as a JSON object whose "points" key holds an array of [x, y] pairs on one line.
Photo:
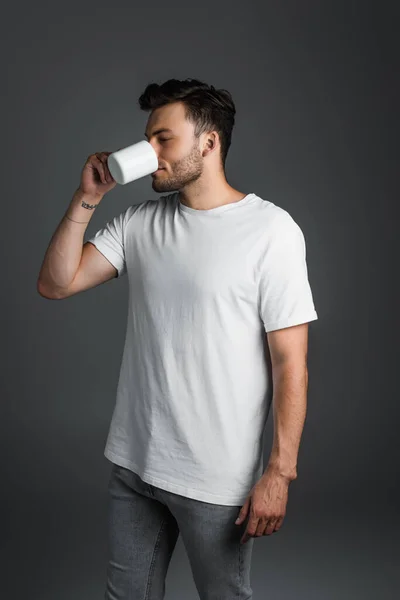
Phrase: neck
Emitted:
{"points": [[209, 192]]}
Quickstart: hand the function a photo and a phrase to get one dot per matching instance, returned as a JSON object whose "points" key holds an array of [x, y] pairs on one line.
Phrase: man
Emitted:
{"points": [[219, 306]]}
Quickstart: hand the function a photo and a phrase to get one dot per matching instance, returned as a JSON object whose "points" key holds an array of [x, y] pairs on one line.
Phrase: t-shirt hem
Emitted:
{"points": [[110, 254], [173, 487], [291, 322]]}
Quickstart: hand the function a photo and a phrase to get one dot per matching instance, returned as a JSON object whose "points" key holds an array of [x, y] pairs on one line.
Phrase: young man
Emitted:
{"points": [[217, 328]]}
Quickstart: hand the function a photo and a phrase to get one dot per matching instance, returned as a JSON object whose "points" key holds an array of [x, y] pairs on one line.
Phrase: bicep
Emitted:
{"points": [[93, 270], [288, 345]]}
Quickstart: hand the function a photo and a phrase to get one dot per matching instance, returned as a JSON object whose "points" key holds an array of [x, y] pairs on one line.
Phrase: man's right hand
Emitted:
{"points": [[96, 179]]}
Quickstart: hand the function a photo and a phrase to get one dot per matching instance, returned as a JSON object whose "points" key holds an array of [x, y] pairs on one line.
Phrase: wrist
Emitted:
{"points": [[281, 470], [79, 193], [82, 207]]}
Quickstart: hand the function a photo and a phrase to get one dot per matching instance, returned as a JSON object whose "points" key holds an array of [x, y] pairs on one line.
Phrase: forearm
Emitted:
{"points": [[64, 252], [289, 400]]}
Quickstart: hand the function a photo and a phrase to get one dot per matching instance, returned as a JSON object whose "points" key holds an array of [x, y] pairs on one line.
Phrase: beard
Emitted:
{"points": [[184, 171]]}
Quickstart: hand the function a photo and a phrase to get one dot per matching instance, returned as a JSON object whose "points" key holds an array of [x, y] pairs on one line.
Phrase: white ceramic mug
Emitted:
{"points": [[132, 162]]}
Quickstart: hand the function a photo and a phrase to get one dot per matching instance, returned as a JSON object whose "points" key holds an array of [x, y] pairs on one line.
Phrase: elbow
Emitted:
{"points": [[42, 291]]}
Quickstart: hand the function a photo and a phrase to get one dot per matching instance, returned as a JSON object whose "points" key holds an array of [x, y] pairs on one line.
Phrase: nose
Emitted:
{"points": [[155, 148]]}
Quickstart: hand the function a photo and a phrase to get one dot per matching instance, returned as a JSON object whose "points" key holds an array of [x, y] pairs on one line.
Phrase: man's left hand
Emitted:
{"points": [[266, 504]]}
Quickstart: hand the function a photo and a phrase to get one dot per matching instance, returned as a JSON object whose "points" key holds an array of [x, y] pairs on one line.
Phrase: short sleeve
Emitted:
{"points": [[109, 240], [285, 297]]}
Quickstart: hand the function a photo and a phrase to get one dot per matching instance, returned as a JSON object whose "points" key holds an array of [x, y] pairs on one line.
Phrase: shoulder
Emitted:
{"points": [[141, 209], [275, 220]]}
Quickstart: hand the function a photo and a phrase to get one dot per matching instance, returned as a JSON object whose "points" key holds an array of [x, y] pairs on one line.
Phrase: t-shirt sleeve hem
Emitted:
{"points": [[110, 254], [291, 322]]}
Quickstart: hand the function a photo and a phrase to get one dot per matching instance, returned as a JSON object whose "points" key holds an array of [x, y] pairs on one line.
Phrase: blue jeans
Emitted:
{"points": [[143, 528]]}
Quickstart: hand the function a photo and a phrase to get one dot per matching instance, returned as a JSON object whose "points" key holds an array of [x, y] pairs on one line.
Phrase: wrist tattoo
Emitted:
{"points": [[84, 205], [88, 206]]}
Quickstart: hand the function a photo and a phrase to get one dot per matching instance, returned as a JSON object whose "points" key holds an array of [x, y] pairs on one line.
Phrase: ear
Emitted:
{"points": [[211, 142]]}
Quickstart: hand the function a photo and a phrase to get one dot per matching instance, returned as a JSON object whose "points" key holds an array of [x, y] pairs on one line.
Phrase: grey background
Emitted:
{"points": [[316, 91]]}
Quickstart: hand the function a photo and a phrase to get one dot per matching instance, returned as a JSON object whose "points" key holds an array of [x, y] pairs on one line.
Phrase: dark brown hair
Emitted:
{"points": [[207, 108]]}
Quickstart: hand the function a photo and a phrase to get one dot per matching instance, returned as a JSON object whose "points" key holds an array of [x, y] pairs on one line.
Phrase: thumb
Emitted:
{"points": [[243, 512]]}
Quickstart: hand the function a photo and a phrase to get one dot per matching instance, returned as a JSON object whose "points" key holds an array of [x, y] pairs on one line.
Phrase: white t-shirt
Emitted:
{"points": [[195, 384]]}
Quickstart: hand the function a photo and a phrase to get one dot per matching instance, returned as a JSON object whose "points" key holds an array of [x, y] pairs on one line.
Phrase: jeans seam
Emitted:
{"points": [[240, 569], [151, 569]]}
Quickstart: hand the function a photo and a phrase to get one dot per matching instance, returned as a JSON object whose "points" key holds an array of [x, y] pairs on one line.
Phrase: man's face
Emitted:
{"points": [[177, 149]]}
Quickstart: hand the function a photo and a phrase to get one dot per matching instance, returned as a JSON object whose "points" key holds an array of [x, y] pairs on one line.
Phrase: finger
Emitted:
{"points": [[110, 177], [243, 512], [240, 518], [100, 168], [270, 526], [279, 523], [246, 536], [250, 529], [106, 169], [262, 526]]}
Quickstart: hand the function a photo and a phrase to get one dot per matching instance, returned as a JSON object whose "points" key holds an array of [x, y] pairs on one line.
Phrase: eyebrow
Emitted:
{"points": [[158, 131]]}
